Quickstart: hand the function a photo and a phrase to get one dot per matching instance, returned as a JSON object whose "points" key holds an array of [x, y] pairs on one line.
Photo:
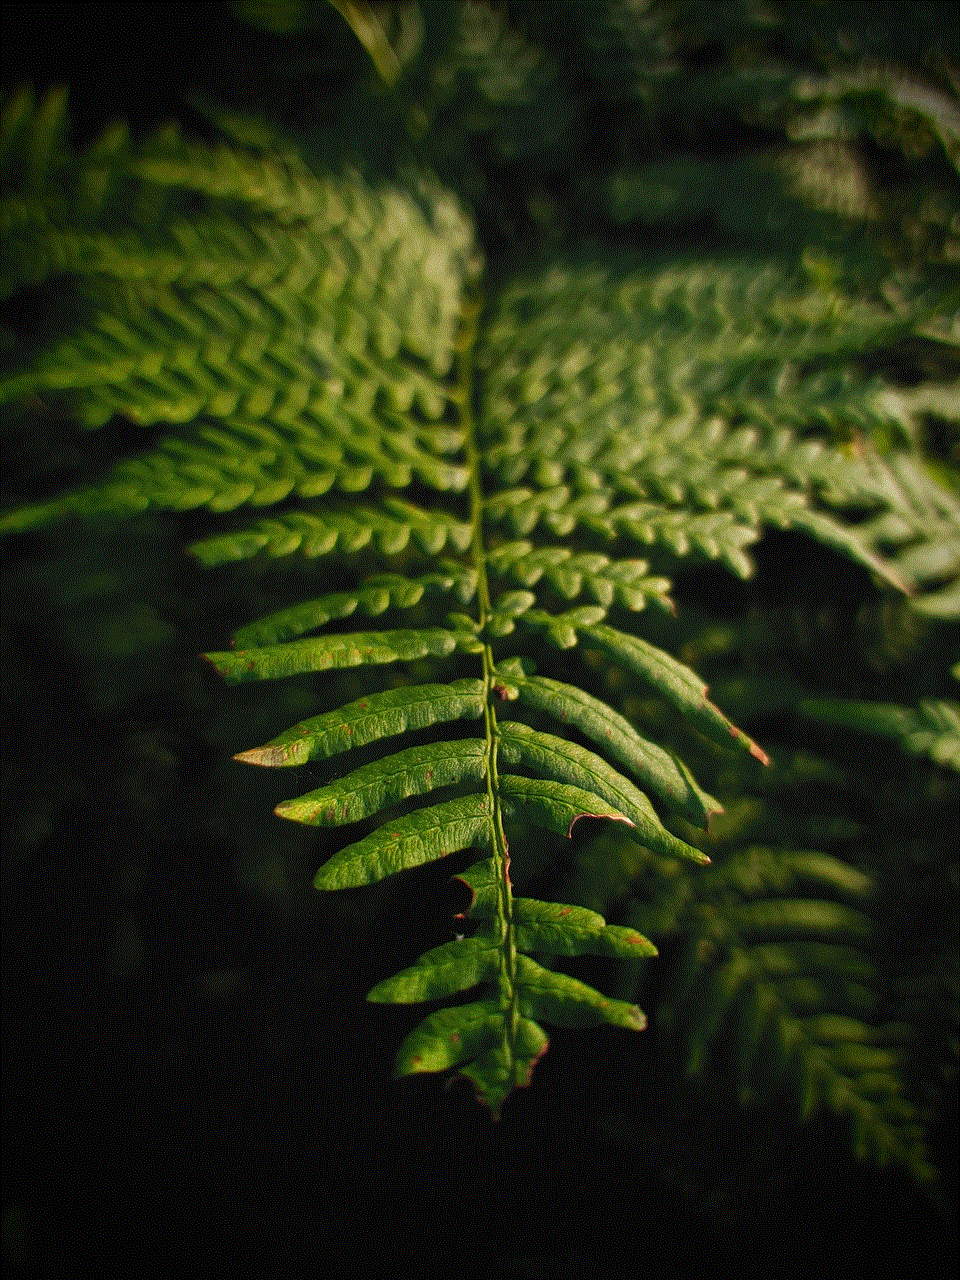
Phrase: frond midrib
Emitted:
{"points": [[502, 923]]}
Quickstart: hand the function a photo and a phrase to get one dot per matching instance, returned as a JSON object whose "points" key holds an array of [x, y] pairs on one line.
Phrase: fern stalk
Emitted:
{"points": [[462, 397]]}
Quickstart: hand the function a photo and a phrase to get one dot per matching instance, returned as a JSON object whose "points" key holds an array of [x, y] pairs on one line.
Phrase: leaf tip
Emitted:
{"points": [[215, 660], [714, 811], [644, 945], [637, 1019], [268, 757], [693, 854], [296, 811]]}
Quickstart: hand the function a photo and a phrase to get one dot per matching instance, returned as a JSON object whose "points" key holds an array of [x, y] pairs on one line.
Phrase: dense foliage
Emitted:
{"points": [[511, 382]]}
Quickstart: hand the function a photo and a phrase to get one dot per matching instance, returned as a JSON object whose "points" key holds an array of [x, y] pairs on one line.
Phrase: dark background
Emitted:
{"points": [[192, 1080]]}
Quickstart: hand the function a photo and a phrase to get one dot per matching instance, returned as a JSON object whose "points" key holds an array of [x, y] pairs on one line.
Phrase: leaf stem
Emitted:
{"points": [[462, 397]]}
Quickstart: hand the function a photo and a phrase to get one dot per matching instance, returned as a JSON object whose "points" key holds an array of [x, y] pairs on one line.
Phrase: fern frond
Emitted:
{"points": [[301, 341], [920, 528], [677, 683], [34, 148], [410, 841], [884, 100], [776, 979], [933, 730], [776, 969], [790, 972], [316, 336], [651, 418]]}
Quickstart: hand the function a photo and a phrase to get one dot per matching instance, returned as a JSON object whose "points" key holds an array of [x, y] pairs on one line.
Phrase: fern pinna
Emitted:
{"points": [[497, 466]]}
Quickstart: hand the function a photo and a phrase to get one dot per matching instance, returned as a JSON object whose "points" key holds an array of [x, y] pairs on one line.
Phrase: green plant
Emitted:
{"points": [[476, 456]]}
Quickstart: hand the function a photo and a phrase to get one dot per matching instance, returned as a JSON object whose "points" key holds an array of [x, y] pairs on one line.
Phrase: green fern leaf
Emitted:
{"points": [[784, 916], [555, 806], [562, 1001], [565, 762], [373, 787], [779, 968], [449, 1037], [649, 764], [408, 842], [385, 591], [381, 715], [564, 939], [323, 653], [444, 971], [676, 682], [530, 911], [390, 530]]}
